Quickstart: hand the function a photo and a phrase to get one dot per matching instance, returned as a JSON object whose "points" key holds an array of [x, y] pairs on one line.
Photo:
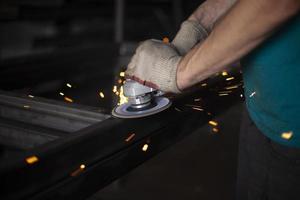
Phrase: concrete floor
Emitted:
{"points": [[202, 166]]}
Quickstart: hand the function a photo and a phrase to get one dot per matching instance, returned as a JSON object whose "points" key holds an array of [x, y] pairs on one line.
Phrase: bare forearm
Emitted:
{"points": [[209, 12], [245, 26]]}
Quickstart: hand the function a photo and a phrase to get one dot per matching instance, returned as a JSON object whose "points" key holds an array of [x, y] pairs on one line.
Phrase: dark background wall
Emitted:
{"points": [[46, 44], [31, 26]]}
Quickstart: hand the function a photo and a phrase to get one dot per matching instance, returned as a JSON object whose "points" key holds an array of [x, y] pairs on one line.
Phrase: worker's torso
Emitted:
{"points": [[272, 84]]}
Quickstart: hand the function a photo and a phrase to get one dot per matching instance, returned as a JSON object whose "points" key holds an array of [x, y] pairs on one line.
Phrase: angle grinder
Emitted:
{"points": [[142, 101]]}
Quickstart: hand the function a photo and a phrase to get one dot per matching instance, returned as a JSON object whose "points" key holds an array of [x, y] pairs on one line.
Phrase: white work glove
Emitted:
{"points": [[190, 33], [154, 64]]}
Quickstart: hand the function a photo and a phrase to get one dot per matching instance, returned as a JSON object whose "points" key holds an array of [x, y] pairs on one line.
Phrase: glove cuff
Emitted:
{"points": [[171, 76], [190, 33]]}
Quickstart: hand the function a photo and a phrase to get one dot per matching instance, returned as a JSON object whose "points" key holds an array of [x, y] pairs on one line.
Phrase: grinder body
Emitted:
{"points": [[142, 101]]}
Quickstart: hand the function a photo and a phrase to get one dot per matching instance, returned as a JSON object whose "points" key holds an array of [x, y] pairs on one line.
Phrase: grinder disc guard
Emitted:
{"points": [[127, 111]]}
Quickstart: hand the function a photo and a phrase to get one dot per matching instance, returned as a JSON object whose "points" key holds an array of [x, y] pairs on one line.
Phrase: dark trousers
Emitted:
{"points": [[266, 170]]}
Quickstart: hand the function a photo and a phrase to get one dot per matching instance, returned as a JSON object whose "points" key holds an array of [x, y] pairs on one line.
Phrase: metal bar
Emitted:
{"points": [[103, 151], [48, 113], [22, 136]]}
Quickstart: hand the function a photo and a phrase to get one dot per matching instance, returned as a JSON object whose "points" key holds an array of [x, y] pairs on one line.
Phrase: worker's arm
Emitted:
{"points": [[198, 26], [244, 27], [155, 63], [209, 12]]}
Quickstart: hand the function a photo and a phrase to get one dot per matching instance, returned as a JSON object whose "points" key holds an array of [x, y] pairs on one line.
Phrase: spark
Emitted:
{"points": [[31, 96], [122, 74], [122, 98], [213, 123], [32, 159], [68, 99], [195, 108], [252, 94], [82, 166], [224, 73], [197, 99], [287, 135], [192, 105], [204, 84], [101, 94], [231, 87], [215, 130], [61, 93], [223, 94], [145, 147], [225, 91], [166, 40], [230, 78], [115, 89], [69, 85], [241, 95], [79, 170], [130, 137], [26, 106]]}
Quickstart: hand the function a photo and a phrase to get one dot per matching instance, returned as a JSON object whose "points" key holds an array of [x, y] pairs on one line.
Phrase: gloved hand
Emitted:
{"points": [[190, 33], [154, 64]]}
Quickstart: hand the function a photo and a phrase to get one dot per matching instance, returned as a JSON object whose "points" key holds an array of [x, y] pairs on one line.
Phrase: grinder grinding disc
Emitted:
{"points": [[126, 111]]}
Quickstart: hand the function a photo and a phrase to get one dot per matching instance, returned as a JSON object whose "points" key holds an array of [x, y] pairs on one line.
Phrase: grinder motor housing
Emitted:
{"points": [[139, 96], [142, 101]]}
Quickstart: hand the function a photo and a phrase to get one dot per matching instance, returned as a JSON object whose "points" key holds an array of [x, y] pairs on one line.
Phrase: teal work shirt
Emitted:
{"points": [[272, 84]]}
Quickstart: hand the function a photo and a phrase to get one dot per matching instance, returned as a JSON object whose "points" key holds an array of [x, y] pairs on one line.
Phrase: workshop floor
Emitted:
{"points": [[202, 166]]}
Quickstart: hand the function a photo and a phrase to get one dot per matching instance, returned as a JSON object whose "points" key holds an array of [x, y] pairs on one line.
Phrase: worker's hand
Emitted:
{"points": [[154, 64], [190, 33]]}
